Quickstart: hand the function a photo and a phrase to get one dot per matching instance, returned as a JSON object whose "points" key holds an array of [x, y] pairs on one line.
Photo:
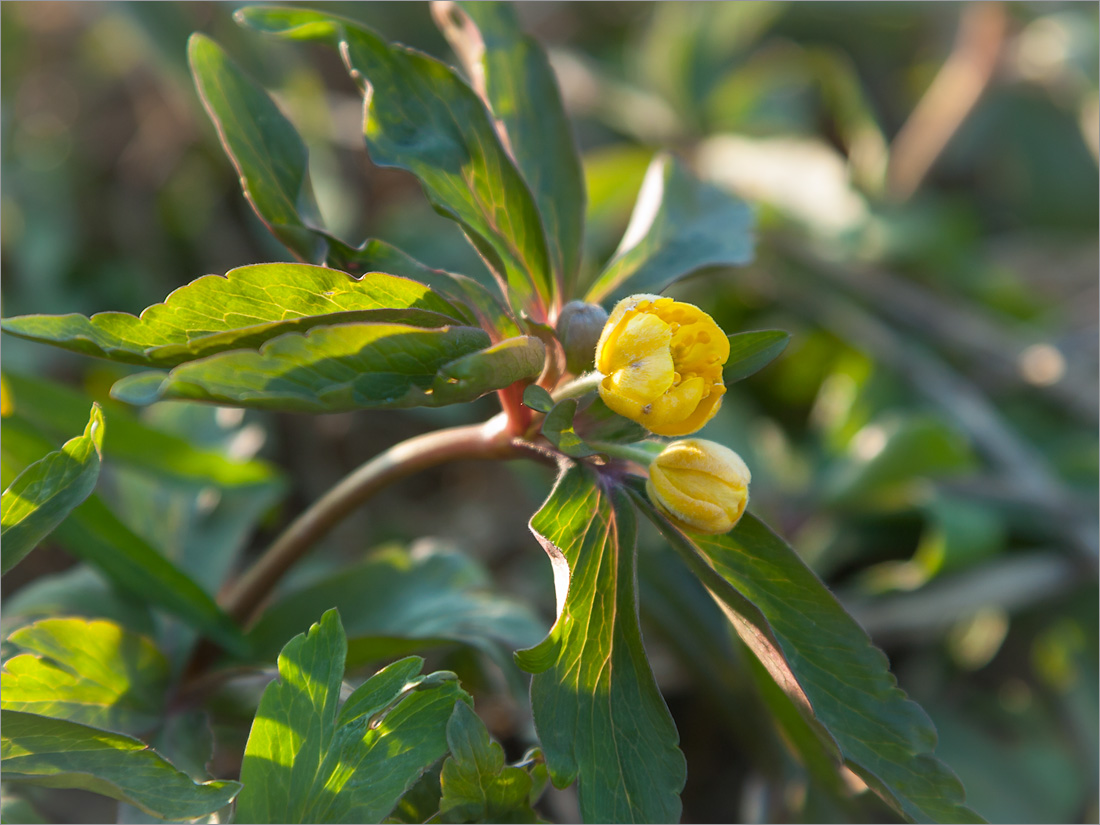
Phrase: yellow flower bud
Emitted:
{"points": [[700, 485], [662, 364]]}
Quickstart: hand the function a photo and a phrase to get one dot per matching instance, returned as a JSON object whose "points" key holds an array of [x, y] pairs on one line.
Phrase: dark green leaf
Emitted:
{"points": [[598, 712], [266, 150], [47, 491], [511, 73], [825, 662], [752, 351], [558, 429], [95, 534], [477, 787], [340, 368], [303, 763], [466, 378], [679, 225], [422, 117], [92, 672], [596, 422], [244, 309], [61, 754], [538, 399], [58, 409], [431, 596]]}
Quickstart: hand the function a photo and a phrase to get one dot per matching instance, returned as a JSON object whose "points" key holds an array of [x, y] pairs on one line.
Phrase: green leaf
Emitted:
{"points": [[431, 595], [47, 491], [266, 150], [596, 422], [825, 662], [558, 429], [243, 310], [58, 409], [305, 763], [537, 399], [598, 712], [56, 753], [750, 352], [511, 73], [378, 256], [347, 367], [93, 672], [679, 225], [96, 535], [423, 118], [477, 787]]}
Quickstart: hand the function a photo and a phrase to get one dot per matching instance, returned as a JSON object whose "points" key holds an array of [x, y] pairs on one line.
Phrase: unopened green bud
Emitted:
{"points": [[579, 328]]}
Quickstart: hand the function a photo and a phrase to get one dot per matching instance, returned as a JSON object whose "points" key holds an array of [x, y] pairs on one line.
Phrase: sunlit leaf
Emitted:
{"points": [[345, 367], [477, 786], [423, 118], [512, 74], [598, 712], [559, 431], [57, 753], [306, 763], [750, 352], [47, 491], [679, 226], [242, 310], [93, 672], [825, 663]]}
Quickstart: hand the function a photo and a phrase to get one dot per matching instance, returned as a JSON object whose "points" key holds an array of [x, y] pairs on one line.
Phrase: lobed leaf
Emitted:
{"points": [[750, 352], [825, 662], [429, 596], [56, 753], [476, 784], [511, 73], [93, 672], [244, 309], [679, 226], [598, 712], [420, 116], [305, 762], [341, 368], [46, 492]]}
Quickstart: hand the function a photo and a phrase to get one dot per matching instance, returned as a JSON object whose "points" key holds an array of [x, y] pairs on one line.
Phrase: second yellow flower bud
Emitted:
{"points": [[700, 485]]}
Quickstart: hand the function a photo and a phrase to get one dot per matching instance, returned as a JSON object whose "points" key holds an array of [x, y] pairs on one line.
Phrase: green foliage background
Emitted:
{"points": [[927, 442]]}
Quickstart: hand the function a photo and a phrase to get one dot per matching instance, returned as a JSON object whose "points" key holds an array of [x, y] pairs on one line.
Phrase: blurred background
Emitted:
{"points": [[927, 190]]}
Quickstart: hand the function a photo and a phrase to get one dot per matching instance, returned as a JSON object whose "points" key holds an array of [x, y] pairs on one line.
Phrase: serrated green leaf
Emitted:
{"points": [[511, 73], [244, 309], [56, 753], [679, 226], [537, 399], [335, 369], [47, 491], [93, 672], [558, 429], [434, 595], [96, 535], [477, 786], [750, 352], [378, 256], [423, 118], [825, 662], [598, 712], [56, 409], [305, 763]]}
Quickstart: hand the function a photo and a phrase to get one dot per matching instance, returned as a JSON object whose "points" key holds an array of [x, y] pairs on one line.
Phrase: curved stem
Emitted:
{"points": [[488, 440]]}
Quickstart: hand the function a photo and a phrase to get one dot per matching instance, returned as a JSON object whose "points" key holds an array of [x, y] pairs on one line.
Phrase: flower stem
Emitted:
{"points": [[629, 452], [482, 441]]}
